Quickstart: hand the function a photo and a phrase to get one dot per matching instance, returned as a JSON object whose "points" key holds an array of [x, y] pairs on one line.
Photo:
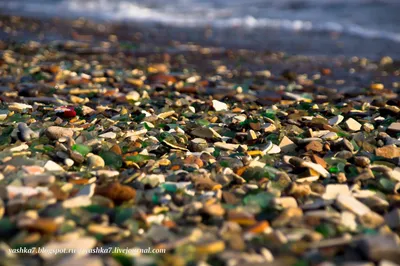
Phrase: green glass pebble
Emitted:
{"points": [[352, 171], [17, 118], [48, 148], [161, 125], [139, 118], [82, 149], [122, 259], [333, 170], [139, 158], [340, 167], [224, 164], [170, 187], [111, 159], [387, 184], [274, 138], [369, 231], [166, 136], [301, 263], [355, 145], [342, 134], [305, 106], [91, 128], [155, 199], [123, 214], [146, 126], [270, 172], [96, 209], [202, 122], [5, 140], [261, 199], [78, 110], [7, 227], [270, 114], [327, 230], [66, 228], [216, 152]]}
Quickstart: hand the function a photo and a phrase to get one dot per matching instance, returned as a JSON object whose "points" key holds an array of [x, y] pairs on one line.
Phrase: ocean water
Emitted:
{"points": [[376, 21]]}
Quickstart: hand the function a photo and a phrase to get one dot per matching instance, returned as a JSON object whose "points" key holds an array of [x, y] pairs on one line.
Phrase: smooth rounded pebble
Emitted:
{"points": [[55, 132]]}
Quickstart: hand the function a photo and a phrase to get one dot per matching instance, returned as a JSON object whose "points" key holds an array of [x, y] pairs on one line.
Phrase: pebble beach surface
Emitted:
{"points": [[215, 156]]}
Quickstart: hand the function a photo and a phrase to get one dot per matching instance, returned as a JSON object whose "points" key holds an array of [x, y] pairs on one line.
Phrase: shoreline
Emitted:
{"points": [[312, 44]]}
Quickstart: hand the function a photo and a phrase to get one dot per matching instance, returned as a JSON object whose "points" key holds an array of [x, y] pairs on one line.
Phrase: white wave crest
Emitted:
{"points": [[206, 16]]}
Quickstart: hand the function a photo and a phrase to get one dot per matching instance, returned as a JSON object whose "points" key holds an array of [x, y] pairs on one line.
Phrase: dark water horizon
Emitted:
{"points": [[336, 23]]}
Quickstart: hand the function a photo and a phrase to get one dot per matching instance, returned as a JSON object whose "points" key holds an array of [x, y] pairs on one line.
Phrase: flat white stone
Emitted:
{"points": [[254, 164], [296, 97], [24, 191], [363, 193], [102, 229], [350, 203], [153, 179], [76, 202], [166, 114], [274, 150], [336, 120], [319, 133], [21, 147], [53, 167], [271, 148], [348, 220], [192, 109], [106, 173], [219, 106], [332, 191], [287, 145], [368, 127], [396, 173], [226, 146], [132, 133], [318, 168], [286, 202], [330, 136], [69, 162], [19, 106], [108, 135], [215, 133], [352, 124], [239, 118]]}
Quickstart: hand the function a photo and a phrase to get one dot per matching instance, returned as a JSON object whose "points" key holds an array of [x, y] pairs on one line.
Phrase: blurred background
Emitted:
{"points": [[305, 26]]}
